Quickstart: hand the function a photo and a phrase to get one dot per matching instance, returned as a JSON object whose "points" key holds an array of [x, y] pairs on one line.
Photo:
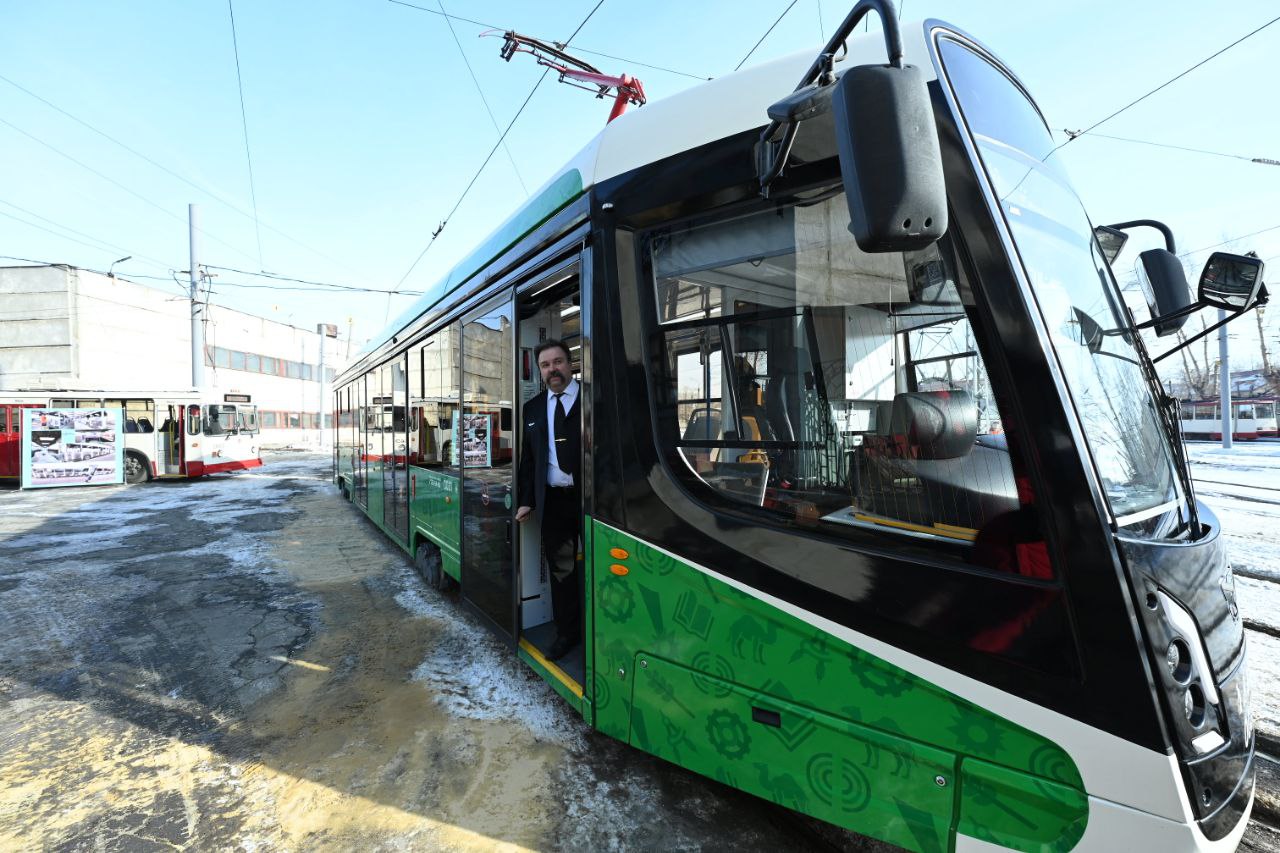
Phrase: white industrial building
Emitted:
{"points": [[63, 327]]}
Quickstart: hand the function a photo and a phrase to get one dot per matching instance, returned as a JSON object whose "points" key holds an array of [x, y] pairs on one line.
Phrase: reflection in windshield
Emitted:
{"points": [[1073, 287]]}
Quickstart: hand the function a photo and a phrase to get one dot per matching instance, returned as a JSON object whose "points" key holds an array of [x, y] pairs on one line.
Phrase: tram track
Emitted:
{"points": [[1237, 485]]}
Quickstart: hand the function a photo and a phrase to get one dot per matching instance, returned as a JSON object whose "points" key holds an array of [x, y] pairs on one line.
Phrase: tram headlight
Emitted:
{"points": [[1178, 658]]}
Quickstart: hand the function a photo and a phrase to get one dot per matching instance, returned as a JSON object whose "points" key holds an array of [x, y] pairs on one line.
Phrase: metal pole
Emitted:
{"points": [[1224, 382], [197, 309], [320, 386]]}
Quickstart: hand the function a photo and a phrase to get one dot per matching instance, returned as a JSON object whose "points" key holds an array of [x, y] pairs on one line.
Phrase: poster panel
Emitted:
{"points": [[72, 447], [477, 441]]}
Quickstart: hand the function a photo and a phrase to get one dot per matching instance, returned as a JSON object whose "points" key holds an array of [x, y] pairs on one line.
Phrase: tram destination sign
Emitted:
{"points": [[72, 447]]}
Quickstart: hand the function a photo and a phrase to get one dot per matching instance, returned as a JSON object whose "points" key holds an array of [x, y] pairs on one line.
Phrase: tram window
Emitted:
{"points": [[435, 399], [193, 420], [219, 420], [835, 389], [141, 413]]}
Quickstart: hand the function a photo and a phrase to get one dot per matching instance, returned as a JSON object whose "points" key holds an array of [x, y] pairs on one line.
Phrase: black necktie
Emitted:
{"points": [[558, 423]]}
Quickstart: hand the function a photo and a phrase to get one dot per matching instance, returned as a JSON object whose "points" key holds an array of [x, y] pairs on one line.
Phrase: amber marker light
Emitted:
{"points": [[619, 570], [618, 554]]}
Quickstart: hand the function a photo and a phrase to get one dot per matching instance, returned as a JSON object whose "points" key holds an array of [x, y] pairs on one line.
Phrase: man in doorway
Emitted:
{"points": [[549, 480]]}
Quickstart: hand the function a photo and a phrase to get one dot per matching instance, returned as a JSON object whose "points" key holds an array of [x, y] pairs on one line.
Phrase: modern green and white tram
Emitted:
{"points": [[892, 528]]}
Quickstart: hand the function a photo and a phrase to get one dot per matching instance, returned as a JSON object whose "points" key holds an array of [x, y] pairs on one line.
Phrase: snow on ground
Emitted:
{"points": [[1242, 487], [474, 676]]}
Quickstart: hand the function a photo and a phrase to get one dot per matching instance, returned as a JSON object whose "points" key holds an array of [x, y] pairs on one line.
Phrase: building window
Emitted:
{"points": [[252, 363], [237, 360], [268, 365]]}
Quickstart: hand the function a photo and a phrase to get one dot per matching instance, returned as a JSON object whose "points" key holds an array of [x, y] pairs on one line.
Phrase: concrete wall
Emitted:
{"points": [[127, 330], [36, 341]]}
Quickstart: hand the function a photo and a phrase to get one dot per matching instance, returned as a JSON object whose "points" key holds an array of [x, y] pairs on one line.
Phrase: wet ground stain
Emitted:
{"points": [[247, 664]]}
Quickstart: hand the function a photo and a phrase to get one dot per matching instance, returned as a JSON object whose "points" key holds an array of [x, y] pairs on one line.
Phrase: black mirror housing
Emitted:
{"points": [[1166, 289], [806, 103], [1230, 282], [890, 158]]}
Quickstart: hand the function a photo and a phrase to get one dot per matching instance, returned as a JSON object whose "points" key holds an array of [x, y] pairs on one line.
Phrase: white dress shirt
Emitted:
{"points": [[556, 477]]}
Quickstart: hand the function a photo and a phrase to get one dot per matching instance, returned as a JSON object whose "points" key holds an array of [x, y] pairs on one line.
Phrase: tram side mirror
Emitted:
{"points": [[1230, 282], [1111, 240], [890, 159], [1165, 285]]}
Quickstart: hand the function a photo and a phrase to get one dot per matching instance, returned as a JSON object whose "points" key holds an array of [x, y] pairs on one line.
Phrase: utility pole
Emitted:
{"points": [[197, 309], [1262, 342], [324, 330], [320, 387], [1224, 382]]}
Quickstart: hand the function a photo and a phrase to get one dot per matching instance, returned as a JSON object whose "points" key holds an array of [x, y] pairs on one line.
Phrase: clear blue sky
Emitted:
{"points": [[364, 125]]}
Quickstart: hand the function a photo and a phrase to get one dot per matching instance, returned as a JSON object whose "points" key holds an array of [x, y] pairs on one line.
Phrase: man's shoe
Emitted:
{"points": [[560, 648]]}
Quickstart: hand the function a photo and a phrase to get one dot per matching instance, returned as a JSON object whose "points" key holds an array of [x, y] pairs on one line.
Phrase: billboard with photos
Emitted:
{"points": [[72, 447]]}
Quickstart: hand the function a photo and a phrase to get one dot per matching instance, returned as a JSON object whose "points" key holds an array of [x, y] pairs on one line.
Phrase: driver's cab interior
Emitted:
{"points": [[829, 386]]}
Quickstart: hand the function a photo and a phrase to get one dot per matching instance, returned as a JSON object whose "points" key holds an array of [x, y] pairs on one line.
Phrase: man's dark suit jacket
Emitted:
{"points": [[533, 449]]}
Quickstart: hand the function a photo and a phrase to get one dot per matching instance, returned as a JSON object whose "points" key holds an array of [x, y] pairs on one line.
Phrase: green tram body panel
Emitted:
{"points": [[703, 675], [1025, 813], [435, 513], [858, 741]]}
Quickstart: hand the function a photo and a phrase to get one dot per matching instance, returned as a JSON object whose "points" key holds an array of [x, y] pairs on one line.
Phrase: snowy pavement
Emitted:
{"points": [[243, 662], [1242, 487]]}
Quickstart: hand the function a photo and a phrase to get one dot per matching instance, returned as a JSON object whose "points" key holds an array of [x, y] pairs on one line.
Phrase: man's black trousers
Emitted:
{"points": [[561, 533]]}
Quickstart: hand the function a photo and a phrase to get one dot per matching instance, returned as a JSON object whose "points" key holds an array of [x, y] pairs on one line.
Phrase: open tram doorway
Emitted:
{"points": [[552, 614]]}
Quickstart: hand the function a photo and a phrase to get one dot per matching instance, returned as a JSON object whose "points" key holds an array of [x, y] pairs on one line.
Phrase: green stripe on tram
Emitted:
{"points": [[704, 675]]}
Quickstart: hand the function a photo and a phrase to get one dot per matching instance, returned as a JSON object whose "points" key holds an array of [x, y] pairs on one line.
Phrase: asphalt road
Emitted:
{"points": [[243, 663]]}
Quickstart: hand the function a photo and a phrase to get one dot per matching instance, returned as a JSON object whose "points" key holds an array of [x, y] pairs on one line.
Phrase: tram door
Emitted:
{"points": [[11, 439], [482, 439], [169, 441], [552, 311]]}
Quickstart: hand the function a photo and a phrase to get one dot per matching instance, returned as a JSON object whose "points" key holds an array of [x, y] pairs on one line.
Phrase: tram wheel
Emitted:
{"points": [[430, 566], [135, 469]]}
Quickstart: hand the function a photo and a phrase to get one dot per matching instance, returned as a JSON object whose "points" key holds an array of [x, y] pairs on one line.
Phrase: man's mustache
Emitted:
{"points": [[556, 374]]}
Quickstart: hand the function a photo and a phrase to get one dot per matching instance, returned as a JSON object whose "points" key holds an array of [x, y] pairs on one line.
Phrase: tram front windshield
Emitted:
{"points": [[1077, 296]]}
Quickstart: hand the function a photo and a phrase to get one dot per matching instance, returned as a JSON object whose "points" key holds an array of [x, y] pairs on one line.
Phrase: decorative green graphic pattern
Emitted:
{"points": [[998, 805], [699, 673]]}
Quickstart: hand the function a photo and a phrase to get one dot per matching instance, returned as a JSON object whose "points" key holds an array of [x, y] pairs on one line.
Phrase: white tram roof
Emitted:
{"points": [[714, 110]]}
